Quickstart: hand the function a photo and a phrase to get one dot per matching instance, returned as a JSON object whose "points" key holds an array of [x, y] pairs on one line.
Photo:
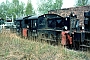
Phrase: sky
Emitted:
{"points": [[66, 3]]}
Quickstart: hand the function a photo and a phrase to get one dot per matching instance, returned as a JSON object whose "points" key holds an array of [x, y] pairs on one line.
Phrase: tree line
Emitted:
{"points": [[15, 9], [18, 9]]}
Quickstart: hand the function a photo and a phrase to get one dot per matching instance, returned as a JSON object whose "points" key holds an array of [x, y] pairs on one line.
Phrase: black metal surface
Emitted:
{"points": [[87, 20], [87, 14], [79, 36], [49, 21]]}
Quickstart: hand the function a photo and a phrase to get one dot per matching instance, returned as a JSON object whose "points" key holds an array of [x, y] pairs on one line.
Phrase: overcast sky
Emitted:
{"points": [[66, 3]]}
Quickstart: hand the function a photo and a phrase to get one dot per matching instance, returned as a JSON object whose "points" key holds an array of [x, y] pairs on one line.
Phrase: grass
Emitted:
{"points": [[16, 48]]}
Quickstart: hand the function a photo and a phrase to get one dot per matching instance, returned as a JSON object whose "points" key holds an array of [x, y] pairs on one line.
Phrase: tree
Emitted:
{"points": [[45, 5], [16, 8], [21, 9], [15, 5], [29, 8], [3, 10], [81, 2], [57, 4]]}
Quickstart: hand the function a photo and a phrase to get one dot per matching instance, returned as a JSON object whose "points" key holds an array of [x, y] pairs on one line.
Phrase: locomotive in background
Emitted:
{"points": [[55, 29], [8, 23]]}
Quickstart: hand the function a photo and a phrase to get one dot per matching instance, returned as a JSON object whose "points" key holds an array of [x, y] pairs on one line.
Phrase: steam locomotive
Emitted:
{"points": [[55, 29]]}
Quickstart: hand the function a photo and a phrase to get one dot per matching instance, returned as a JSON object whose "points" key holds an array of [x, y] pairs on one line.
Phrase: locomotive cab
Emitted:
{"points": [[33, 26], [33, 22], [18, 23], [30, 26]]}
